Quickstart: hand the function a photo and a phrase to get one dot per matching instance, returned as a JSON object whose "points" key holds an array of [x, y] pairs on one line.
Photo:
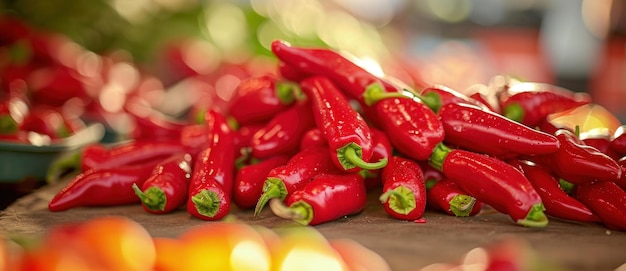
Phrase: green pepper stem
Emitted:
{"points": [[514, 111], [375, 92], [462, 205], [287, 92], [62, 164], [401, 200], [566, 186], [438, 156], [153, 198], [8, 125], [207, 203], [536, 218], [350, 157], [432, 100], [300, 211], [272, 188]]}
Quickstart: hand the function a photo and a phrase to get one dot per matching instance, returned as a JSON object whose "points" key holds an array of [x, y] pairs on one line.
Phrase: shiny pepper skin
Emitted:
{"points": [[404, 190], [475, 129], [577, 162], [445, 195], [493, 182], [607, 200]]}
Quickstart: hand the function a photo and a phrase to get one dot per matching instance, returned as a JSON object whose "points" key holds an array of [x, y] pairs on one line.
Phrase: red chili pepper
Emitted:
{"points": [[446, 195], [578, 163], [193, 138], [531, 103], [493, 182], [348, 135], [474, 129], [167, 188], [382, 150], [313, 138], [325, 198], [618, 143], [249, 180], [413, 128], [283, 133], [351, 78], [607, 200], [212, 178], [55, 84], [404, 191], [259, 98], [298, 171], [622, 180], [437, 96], [127, 153], [600, 141], [245, 134], [556, 201], [150, 124], [101, 187], [290, 73]]}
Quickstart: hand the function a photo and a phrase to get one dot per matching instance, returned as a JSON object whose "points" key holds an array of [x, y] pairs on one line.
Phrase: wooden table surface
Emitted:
{"points": [[406, 246]]}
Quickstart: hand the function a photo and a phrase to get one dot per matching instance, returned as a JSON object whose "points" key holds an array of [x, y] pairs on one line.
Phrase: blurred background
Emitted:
{"points": [[577, 44]]}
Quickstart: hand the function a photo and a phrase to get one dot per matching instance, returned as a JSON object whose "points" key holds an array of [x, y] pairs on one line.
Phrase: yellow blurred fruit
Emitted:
{"points": [[302, 248]]}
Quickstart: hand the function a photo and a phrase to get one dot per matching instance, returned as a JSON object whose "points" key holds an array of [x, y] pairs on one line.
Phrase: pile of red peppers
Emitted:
{"points": [[315, 138]]}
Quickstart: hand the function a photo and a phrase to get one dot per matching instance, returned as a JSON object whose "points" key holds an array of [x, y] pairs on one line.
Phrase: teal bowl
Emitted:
{"points": [[20, 161]]}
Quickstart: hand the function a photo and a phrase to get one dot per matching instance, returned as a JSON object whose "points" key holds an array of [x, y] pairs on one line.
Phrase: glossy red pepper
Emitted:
{"points": [[347, 133], [152, 125], [166, 189], [404, 191], [622, 180], [577, 162], [259, 98], [600, 141], [249, 180], [556, 201], [101, 187], [531, 103], [193, 138], [437, 96], [313, 138], [493, 182], [351, 78], [607, 200], [618, 143], [325, 198], [301, 167], [211, 184], [382, 150], [413, 128], [283, 133], [472, 128], [126, 153], [290, 73], [445, 195]]}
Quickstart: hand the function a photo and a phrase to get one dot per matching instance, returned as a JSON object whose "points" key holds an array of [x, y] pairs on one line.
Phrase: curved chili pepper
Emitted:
{"points": [[622, 180], [298, 171], [404, 190], [493, 182], [127, 153], [153, 125], [437, 96], [207, 200], [259, 98], [413, 129], [348, 135], [193, 138], [249, 180], [290, 73], [211, 184], [446, 195], [382, 150], [600, 141], [101, 187], [352, 79], [313, 138], [607, 200], [167, 188], [474, 129], [325, 198], [531, 103], [556, 201], [283, 133], [618, 143], [578, 163]]}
